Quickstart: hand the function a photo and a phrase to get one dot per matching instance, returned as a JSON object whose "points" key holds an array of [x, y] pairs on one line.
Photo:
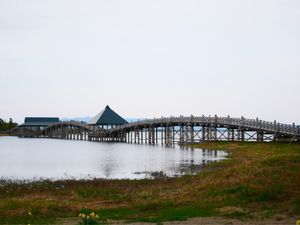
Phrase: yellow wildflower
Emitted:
{"points": [[96, 216], [82, 215], [29, 213], [92, 214], [88, 217], [298, 222]]}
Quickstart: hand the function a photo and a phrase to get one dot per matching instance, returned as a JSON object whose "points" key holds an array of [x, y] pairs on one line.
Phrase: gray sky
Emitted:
{"points": [[151, 58]]}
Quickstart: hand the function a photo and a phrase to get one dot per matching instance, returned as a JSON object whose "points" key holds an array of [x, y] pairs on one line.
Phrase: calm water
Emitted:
{"points": [[25, 158]]}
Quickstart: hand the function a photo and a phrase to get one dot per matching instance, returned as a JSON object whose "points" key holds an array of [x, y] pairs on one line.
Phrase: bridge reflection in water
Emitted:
{"points": [[171, 130]]}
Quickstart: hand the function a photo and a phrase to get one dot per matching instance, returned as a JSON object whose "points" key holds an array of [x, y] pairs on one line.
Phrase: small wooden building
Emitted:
{"points": [[32, 125]]}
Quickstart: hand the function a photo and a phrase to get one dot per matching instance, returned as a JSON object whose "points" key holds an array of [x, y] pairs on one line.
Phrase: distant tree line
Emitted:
{"points": [[6, 126]]}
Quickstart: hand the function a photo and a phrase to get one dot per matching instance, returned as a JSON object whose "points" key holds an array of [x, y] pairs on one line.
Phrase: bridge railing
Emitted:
{"points": [[215, 120], [69, 123]]}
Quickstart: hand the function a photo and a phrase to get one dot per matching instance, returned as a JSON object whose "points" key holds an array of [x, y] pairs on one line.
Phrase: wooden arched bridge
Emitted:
{"points": [[173, 130], [61, 130]]}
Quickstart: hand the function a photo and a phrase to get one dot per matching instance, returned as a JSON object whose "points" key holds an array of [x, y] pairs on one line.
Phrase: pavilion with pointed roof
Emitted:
{"points": [[107, 117]]}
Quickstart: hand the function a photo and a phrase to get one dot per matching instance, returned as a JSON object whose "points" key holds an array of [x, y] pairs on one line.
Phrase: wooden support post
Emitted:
{"points": [[260, 136], [149, 135], [208, 133], [242, 135], [181, 134], [142, 135], [215, 133], [162, 135], [165, 135], [74, 132], [156, 135], [135, 134], [173, 135], [153, 135], [192, 133], [203, 133], [67, 132]]}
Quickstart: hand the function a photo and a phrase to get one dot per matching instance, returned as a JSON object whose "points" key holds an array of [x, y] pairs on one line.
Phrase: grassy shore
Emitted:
{"points": [[258, 180]]}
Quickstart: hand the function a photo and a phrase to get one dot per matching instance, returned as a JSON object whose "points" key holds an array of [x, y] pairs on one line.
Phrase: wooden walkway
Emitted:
{"points": [[172, 130]]}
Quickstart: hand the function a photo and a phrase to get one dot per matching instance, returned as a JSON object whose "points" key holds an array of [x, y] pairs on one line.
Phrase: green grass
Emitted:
{"points": [[242, 192], [155, 212], [258, 179]]}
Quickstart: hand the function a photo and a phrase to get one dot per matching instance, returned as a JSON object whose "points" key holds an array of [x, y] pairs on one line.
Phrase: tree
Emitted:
{"points": [[4, 126]]}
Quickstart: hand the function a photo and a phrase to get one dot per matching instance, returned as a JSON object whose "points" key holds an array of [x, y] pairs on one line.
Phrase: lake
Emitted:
{"points": [[33, 158]]}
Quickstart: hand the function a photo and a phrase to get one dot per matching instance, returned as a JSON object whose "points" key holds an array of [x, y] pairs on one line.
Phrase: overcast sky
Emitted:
{"points": [[151, 58]]}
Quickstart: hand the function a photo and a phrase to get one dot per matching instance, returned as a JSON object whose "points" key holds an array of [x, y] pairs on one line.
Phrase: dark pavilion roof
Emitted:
{"points": [[107, 117], [39, 121]]}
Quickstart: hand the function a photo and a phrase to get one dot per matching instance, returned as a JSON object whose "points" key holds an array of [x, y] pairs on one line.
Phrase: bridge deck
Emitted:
{"points": [[170, 129]]}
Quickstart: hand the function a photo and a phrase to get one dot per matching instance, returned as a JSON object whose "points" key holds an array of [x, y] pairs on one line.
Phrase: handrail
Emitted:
{"points": [[217, 121]]}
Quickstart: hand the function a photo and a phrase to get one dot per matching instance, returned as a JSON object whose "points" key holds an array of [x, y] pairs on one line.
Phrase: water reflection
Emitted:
{"points": [[109, 164], [63, 159]]}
